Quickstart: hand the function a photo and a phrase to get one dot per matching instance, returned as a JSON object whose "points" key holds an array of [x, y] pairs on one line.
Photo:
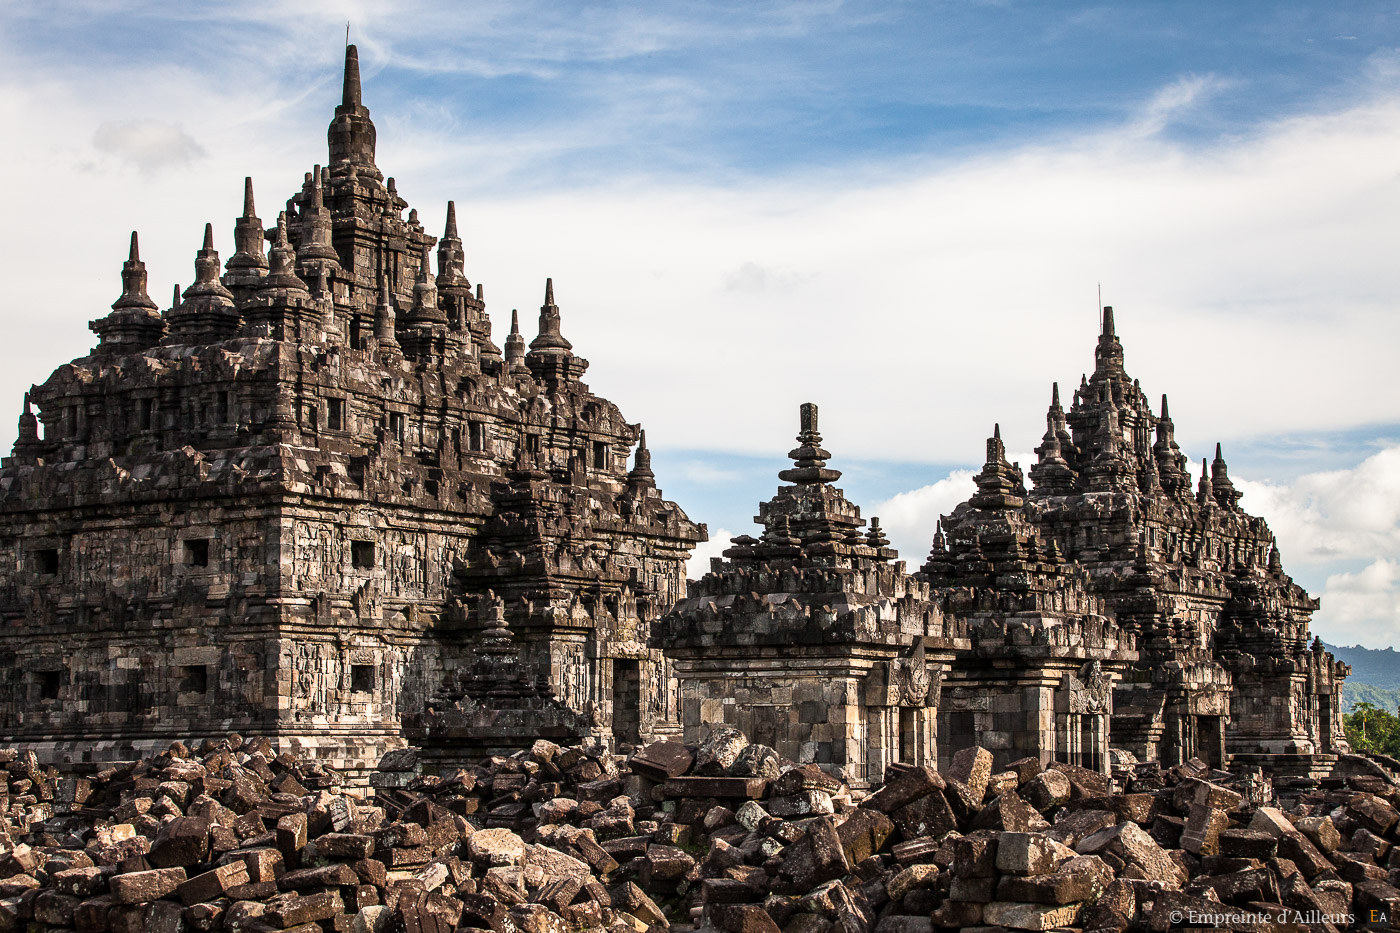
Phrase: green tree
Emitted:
{"points": [[1372, 729]]}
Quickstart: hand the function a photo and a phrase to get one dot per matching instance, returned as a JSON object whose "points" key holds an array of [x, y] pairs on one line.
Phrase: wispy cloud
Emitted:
{"points": [[149, 145]]}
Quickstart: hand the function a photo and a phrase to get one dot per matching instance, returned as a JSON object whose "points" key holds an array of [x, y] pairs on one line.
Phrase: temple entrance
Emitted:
{"points": [[627, 701], [960, 729], [908, 741], [1210, 740]]}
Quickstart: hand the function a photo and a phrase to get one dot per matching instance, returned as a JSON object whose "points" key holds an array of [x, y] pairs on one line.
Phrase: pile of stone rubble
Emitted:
{"points": [[726, 836]]}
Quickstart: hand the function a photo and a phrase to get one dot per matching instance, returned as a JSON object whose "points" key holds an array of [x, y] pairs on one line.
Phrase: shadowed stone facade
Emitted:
{"points": [[312, 499]]}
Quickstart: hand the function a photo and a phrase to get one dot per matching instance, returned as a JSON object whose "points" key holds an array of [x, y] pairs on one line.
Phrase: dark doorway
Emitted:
{"points": [[959, 732], [908, 740], [627, 701], [1210, 740]]}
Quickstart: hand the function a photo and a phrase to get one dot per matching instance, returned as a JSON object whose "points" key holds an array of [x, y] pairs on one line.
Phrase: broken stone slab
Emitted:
{"points": [[915, 876], [184, 841], [1046, 790], [212, 884], [141, 886], [494, 847], [757, 761], [904, 789], [928, 815], [863, 834], [1203, 793], [662, 760]]}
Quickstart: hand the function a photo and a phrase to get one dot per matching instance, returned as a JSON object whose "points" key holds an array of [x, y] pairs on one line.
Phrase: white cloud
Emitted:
{"points": [[147, 144], [910, 518], [1175, 101], [1335, 515], [1364, 607], [699, 563]]}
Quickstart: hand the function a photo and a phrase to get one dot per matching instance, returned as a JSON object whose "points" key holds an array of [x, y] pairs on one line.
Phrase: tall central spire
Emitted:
{"points": [[1108, 356], [351, 135], [350, 93]]}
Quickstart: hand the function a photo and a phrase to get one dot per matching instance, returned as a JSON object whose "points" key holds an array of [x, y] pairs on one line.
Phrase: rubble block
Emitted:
{"points": [[1030, 916], [1080, 879], [138, 887], [972, 767], [212, 884], [1204, 824], [662, 760], [1131, 845], [1024, 853]]}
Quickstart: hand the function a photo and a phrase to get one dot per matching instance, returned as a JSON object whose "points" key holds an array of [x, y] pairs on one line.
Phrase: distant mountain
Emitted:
{"points": [[1380, 697], [1375, 676], [1378, 667]]}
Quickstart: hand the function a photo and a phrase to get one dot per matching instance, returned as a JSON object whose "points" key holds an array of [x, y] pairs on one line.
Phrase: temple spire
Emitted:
{"points": [[1108, 355], [248, 262], [550, 341], [350, 92], [425, 296], [384, 319], [515, 344], [641, 475], [1000, 484], [351, 136], [134, 280], [451, 229], [809, 459], [1221, 485]]}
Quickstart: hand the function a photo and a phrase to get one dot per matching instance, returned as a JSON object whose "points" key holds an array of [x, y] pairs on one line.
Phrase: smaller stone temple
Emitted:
{"points": [[1045, 654], [812, 638], [1227, 669]]}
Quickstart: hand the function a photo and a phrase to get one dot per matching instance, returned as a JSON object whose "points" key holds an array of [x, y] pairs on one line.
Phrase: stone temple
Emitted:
{"points": [[312, 499], [1109, 607]]}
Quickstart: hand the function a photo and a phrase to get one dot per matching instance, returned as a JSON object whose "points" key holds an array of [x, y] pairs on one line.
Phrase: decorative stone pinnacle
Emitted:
{"points": [[641, 474], [450, 231], [808, 457], [134, 280], [550, 339]]}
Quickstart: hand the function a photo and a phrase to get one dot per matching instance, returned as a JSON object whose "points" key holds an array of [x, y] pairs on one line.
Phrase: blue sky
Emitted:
{"points": [[901, 211]]}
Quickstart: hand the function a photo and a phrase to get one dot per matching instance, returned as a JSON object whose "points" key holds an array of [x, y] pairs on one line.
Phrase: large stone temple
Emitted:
{"points": [[312, 499]]}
